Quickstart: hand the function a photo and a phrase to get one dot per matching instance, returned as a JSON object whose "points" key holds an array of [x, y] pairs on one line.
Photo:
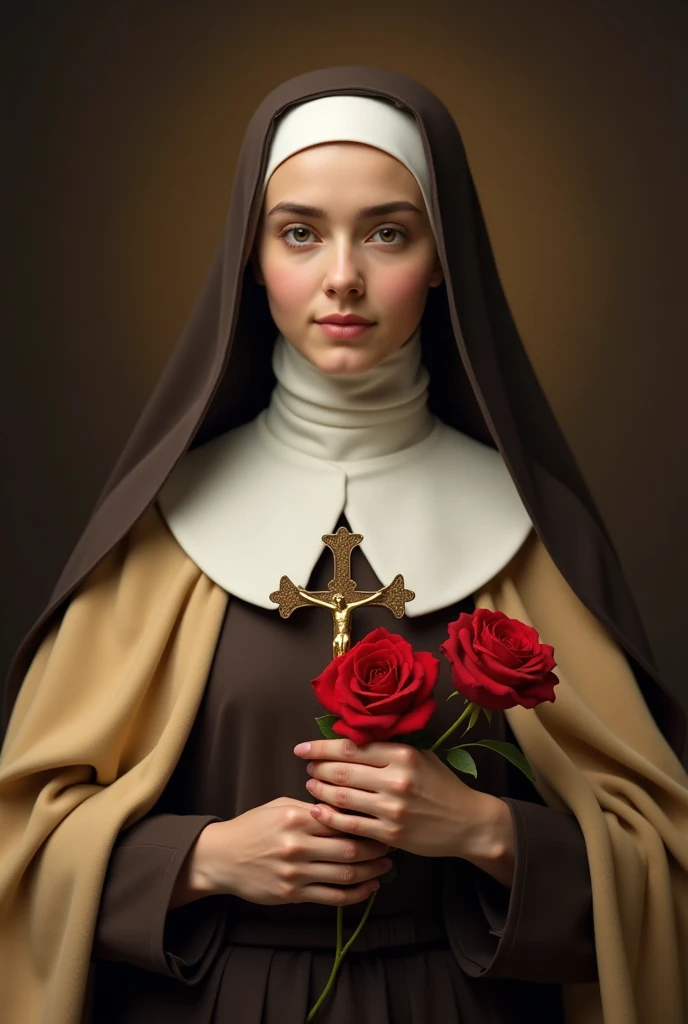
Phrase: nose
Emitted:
{"points": [[343, 274]]}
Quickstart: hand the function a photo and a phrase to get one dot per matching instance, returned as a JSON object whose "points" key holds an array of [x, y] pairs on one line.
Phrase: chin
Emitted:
{"points": [[344, 361]]}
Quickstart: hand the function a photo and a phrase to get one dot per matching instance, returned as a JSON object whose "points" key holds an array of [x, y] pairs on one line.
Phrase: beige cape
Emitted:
{"points": [[109, 701]]}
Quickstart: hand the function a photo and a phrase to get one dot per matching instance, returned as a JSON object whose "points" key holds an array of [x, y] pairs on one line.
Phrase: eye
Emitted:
{"points": [[299, 244], [300, 235], [395, 231]]}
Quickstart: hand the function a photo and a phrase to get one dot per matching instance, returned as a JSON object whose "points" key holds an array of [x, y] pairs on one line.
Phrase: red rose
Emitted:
{"points": [[379, 689], [498, 662]]}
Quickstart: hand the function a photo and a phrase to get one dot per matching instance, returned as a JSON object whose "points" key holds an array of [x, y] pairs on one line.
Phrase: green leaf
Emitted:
{"points": [[511, 753], [488, 714], [462, 761], [388, 876], [472, 719], [325, 723], [455, 693]]}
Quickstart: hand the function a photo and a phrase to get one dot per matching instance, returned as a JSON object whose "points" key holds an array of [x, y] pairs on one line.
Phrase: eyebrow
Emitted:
{"points": [[317, 212]]}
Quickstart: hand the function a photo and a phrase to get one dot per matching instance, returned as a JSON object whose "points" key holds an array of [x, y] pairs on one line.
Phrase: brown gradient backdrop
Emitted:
{"points": [[123, 130]]}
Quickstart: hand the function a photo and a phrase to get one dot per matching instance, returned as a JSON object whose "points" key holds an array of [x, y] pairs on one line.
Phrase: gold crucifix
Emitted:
{"points": [[341, 596]]}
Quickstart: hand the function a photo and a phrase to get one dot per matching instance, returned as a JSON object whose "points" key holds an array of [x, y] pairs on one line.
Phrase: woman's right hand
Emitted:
{"points": [[278, 853]]}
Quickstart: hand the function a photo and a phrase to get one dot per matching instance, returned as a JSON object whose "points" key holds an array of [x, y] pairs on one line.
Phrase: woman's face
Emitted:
{"points": [[320, 250]]}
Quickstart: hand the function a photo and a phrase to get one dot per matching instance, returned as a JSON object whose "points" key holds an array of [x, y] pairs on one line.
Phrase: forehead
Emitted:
{"points": [[331, 166]]}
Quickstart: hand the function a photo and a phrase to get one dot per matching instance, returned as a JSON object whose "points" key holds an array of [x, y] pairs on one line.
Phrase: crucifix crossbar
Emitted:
{"points": [[341, 596]]}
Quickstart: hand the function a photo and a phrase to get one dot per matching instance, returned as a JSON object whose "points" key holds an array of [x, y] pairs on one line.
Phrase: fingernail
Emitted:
{"points": [[302, 748], [316, 812], [310, 785]]}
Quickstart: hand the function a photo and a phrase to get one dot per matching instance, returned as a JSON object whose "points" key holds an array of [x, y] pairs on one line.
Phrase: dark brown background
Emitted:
{"points": [[122, 129]]}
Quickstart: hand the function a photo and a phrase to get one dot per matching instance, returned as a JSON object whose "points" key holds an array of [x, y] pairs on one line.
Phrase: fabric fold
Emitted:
{"points": [[108, 704], [96, 731], [539, 930], [135, 925], [598, 753]]}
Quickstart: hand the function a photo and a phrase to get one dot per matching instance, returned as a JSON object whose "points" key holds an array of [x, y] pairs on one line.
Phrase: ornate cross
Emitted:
{"points": [[341, 596]]}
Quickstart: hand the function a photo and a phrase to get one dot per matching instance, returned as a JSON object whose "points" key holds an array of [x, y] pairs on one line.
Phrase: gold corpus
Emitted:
{"points": [[341, 596]]}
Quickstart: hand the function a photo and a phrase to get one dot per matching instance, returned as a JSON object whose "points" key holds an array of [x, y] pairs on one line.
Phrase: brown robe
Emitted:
{"points": [[444, 943], [110, 700]]}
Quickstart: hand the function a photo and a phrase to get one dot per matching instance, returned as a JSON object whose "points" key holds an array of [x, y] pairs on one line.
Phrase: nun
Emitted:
{"points": [[169, 850]]}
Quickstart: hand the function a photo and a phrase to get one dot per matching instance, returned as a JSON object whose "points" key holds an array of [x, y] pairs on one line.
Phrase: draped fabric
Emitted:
{"points": [[510, 948], [97, 729], [109, 703], [598, 752]]}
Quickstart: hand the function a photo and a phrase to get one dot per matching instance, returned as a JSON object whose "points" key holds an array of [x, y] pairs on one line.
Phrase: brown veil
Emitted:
{"points": [[482, 383]]}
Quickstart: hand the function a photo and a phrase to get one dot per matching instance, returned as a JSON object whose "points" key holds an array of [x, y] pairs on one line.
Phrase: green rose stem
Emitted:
{"points": [[445, 736], [341, 953], [340, 933]]}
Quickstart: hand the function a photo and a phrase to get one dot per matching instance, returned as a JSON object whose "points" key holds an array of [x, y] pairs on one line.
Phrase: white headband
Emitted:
{"points": [[373, 122]]}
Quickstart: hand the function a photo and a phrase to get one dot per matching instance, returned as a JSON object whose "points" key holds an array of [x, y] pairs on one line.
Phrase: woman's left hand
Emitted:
{"points": [[406, 798]]}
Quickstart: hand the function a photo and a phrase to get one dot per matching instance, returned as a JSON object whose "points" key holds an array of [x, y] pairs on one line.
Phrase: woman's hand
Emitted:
{"points": [[279, 853], [408, 799]]}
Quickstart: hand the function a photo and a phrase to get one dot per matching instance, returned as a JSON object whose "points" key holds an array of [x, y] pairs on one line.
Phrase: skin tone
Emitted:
{"points": [[370, 798], [279, 853], [334, 258], [339, 260], [408, 799]]}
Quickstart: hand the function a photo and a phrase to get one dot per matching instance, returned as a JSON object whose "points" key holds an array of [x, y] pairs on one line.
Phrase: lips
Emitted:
{"points": [[343, 318]]}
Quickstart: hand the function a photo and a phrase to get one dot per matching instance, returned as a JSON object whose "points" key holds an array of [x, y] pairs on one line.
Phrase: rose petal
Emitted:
{"points": [[381, 688], [325, 688], [417, 718]]}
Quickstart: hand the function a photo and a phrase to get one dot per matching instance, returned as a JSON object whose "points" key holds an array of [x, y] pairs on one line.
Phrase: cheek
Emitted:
{"points": [[403, 290], [287, 287]]}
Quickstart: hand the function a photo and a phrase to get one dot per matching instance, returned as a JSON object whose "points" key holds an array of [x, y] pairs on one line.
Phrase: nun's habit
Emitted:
{"points": [[144, 700]]}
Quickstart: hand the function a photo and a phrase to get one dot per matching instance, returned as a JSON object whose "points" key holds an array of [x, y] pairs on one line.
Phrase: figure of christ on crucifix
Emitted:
{"points": [[341, 597]]}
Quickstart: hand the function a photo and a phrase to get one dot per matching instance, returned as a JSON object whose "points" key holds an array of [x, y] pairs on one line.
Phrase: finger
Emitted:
{"points": [[287, 801], [333, 897], [370, 828], [319, 829], [346, 851], [345, 798], [298, 818], [357, 776], [326, 873], [376, 754]]}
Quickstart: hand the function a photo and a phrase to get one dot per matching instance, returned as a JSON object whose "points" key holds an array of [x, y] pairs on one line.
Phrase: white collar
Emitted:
{"points": [[433, 504]]}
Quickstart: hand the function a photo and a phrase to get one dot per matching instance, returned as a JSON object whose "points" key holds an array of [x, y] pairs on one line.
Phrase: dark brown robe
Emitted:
{"points": [[444, 943]]}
